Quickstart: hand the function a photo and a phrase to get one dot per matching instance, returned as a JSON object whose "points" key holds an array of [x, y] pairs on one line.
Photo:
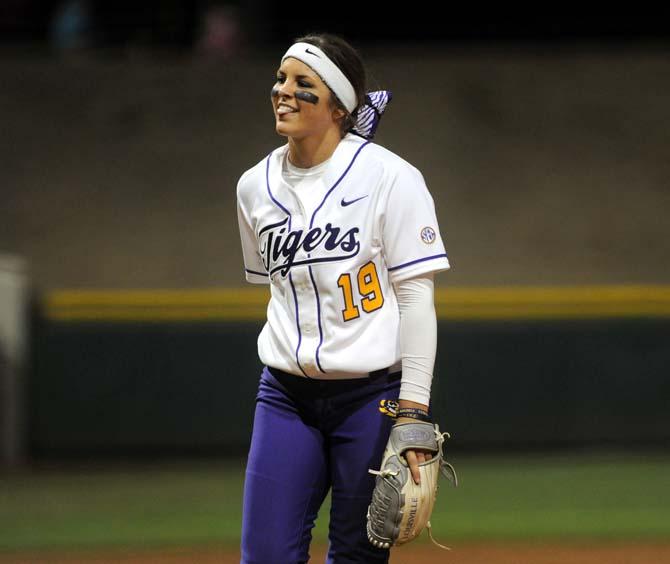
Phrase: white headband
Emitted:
{"points": [[329, 72]]}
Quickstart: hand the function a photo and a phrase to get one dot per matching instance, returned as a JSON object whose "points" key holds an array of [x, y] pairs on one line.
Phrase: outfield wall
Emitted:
{"points": [[177, 372]]}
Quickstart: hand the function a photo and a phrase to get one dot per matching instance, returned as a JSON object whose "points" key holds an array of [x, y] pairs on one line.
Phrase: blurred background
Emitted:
{"points": [[128, 366]]}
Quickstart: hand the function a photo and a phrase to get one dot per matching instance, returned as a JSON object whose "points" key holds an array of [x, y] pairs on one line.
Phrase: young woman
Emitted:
{"points": [[345, 233]]}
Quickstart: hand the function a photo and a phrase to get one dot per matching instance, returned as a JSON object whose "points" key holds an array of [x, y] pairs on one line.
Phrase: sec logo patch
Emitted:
{"points": [[428, 235]]}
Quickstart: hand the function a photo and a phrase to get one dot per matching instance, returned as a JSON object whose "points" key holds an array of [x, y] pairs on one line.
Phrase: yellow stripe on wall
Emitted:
{"points": [[250, 304], [227, 304], [558, 302]]}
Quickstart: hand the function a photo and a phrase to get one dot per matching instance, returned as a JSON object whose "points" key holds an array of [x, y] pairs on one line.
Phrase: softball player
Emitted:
{"points": [[345, 233]]}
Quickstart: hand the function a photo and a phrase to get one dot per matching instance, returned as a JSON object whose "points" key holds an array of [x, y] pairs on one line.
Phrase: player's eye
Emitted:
{"points": [[301, 83]]}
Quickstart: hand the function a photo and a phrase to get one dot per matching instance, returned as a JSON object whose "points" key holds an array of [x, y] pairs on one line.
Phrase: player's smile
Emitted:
{"points": [[285, 109]]}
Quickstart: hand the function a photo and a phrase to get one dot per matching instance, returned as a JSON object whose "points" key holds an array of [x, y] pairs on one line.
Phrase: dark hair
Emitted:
{"points": [[349, 62]]}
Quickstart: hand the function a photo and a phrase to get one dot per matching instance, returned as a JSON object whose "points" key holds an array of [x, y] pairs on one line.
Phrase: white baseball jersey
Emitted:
{"points": [[331, 259]]}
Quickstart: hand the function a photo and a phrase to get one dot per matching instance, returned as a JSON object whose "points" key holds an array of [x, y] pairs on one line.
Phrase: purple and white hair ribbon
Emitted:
{"points": [[370, 113]]}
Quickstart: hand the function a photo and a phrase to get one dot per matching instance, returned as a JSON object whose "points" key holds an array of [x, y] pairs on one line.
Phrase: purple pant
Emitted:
{"points": [[310, 436]]}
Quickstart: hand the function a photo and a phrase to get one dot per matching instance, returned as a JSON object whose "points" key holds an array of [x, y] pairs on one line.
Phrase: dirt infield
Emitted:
{"points": [[471, 553]]}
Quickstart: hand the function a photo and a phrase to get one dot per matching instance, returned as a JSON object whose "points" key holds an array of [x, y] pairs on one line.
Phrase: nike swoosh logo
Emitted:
{"points": [[311, 53], [344, 204]]}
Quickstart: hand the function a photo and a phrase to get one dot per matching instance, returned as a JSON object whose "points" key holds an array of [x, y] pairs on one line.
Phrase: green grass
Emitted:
{"points": [[575, 497], [558, 497], [183, 504]]}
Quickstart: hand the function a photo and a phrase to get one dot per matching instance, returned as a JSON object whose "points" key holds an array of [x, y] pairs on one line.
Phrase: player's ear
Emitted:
{"points": [[338, 114]]}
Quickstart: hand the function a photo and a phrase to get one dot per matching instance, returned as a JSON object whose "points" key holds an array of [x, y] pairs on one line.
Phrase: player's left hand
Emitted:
{"points": [[415, 457]]}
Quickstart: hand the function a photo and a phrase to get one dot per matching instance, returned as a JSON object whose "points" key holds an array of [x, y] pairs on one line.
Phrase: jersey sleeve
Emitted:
{"points": [[410, 234], [254, 269]]}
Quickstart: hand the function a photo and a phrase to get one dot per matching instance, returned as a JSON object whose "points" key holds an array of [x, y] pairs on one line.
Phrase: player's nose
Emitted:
{"points": [[282, 93], [286, 91]]}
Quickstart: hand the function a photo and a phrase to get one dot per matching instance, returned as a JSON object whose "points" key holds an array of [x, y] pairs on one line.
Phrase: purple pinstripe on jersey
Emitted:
{"points": [[297, 322], [267, 182], [318, 313], [416, 261]]}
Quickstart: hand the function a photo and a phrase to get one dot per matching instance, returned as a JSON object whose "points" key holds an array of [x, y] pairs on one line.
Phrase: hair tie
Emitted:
{"points": [[370, 113]]}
